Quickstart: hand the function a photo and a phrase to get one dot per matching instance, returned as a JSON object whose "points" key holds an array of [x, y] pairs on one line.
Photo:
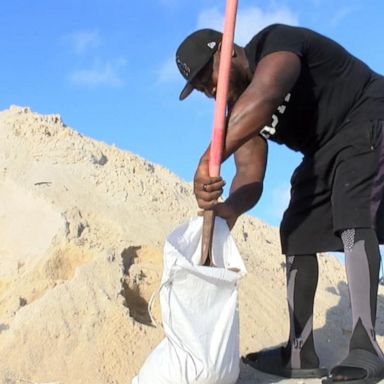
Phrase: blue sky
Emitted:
{"points": [[107, 67]]}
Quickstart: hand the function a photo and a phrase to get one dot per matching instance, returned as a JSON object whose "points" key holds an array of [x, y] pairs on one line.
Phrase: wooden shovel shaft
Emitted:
{"points": [[219, 122], [207, 236]]}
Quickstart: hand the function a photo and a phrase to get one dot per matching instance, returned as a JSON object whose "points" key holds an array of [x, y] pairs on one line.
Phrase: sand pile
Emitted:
{"points": [[82, 227]]}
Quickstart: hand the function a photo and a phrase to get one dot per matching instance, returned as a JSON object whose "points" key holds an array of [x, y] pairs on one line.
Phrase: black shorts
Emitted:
{"points": [[341, 186]]}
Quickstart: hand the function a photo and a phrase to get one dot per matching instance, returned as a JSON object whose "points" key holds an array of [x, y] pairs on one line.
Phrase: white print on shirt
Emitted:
{"points": [[269, 131]]}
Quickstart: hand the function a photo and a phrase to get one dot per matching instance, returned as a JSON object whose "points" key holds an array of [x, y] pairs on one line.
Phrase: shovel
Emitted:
{"points": [[219, 122]]}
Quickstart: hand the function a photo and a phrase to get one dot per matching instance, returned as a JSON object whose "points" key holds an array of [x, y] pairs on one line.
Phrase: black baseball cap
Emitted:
{"points": [[194, 54]]}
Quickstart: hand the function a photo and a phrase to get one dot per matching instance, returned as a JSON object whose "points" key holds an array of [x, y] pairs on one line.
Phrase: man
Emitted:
{"points": [[299, 88]]}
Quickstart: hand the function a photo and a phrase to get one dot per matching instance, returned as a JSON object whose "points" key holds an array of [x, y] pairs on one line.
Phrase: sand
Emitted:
{"points": [[82, 229]]}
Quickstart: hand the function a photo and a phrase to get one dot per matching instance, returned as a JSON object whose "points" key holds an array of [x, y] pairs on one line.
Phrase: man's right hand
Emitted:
{"points": [[207, 189]]}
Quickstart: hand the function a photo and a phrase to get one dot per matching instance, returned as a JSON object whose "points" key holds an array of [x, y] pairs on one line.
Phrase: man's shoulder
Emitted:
{"points": [[277, 33], [279, 37], [282, 28]]}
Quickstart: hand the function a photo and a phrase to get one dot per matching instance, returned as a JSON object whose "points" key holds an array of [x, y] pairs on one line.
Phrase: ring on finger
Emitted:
{"points": [[205, 187]]}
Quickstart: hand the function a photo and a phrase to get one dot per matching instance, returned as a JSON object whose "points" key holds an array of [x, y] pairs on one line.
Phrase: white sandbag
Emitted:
{"points": [[199, 311]]}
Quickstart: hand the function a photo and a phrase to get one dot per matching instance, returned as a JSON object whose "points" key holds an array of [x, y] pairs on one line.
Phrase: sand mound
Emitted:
{"points": [[83, 225]]}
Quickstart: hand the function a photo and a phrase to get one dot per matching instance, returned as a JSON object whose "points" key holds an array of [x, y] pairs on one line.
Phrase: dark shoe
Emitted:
{"points": [[360, 367], [272, 361]]}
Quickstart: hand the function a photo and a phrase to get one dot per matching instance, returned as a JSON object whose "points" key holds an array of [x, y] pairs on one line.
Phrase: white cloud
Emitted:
{"points": [[101, 74], [82, 41], [210, 18], [248, 21]]}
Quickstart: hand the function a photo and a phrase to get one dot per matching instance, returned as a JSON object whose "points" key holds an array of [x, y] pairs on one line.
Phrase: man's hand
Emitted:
{"points": [[207, 189]]}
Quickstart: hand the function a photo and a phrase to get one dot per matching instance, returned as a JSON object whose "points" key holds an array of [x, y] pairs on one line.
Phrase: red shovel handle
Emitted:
{"points": [[217, 141]]}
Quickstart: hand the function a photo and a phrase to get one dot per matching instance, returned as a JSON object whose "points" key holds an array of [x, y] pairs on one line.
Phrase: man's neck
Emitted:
{"points": [[243, 62]]}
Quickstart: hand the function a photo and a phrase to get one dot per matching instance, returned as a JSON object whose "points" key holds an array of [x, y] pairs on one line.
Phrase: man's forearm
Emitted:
{"points": [[245, 197]]}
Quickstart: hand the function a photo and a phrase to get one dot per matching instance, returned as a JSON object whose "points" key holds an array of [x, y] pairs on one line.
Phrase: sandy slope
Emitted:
{"points": [[82, 228]]}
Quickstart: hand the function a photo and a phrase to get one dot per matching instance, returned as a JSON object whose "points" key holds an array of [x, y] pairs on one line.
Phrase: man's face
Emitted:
{"points": [[206, 80]]}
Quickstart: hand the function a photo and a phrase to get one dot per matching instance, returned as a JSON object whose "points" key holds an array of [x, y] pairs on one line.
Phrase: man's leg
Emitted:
{"points": [[302, 277], [298, 358], [362, 261]]}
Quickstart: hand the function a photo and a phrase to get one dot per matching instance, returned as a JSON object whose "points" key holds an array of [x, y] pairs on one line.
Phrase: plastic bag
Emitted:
{"points": [[199, 311]]}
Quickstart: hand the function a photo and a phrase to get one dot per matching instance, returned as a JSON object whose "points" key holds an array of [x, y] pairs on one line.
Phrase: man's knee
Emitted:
{"points": [[352, 236]]}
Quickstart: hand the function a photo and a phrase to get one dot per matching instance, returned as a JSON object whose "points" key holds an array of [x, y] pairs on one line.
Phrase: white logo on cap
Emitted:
{"points": [[212, 44]]}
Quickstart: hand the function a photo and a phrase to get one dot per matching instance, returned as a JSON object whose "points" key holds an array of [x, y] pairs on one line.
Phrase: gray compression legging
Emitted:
{"points": [[362, 259], [302, 276], [362, 262]]}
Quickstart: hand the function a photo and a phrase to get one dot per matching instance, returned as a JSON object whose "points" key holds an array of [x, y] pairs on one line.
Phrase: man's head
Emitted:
{"points": [[193, 55], [198, 59]]}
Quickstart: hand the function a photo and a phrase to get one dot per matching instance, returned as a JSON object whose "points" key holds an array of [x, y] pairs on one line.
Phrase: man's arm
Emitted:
{"points": [[246, 187], [247, 184], [274, 77]]}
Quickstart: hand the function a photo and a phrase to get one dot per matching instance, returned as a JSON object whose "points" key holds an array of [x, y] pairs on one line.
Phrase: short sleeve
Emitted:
{"points": [[284, 38]]}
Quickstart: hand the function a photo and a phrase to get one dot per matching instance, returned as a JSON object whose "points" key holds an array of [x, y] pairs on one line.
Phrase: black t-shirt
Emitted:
{"points": [[333, 87]]}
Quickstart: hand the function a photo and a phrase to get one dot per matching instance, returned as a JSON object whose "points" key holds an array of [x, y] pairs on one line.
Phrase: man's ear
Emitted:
{"points": [[234, 53], [216, 57]]}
